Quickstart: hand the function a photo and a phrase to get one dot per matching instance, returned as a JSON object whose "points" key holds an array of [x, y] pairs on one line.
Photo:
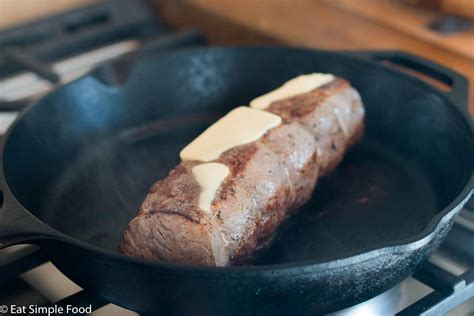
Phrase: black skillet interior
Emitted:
{"points": [[97, 146]]}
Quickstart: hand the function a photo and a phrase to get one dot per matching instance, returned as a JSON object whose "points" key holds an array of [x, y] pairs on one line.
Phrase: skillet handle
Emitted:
{"points": [[458, 95], [17, 225]]}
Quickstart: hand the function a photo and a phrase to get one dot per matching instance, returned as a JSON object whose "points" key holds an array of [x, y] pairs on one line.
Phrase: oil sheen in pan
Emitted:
{"points": [[368, 200]]}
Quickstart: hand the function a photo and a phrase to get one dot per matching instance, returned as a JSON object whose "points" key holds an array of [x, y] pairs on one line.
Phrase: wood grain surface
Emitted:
{"points": [[325, 24]]}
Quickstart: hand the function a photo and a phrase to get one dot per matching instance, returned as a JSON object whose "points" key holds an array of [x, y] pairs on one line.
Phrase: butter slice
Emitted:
{"points": [[209, 176], [299, 85], [240, 126]]}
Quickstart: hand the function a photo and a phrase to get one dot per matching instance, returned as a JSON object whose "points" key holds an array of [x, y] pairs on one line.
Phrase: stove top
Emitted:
{"points": [[100, 33]]}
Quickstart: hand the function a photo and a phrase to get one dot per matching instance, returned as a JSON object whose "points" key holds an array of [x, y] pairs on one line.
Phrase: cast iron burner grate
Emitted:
{"points": [[448, 292], [38, 56]]}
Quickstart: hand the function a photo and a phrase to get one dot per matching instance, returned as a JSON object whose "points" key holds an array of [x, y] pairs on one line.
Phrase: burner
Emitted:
{"points": [[36, 57]]}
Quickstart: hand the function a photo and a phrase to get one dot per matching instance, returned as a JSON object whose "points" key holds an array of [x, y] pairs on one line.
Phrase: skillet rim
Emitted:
{"points": [[410, 243]]}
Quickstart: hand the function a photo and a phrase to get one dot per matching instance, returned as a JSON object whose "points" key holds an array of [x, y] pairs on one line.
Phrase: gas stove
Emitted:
{"points": [[33, 63], [37, 57]]}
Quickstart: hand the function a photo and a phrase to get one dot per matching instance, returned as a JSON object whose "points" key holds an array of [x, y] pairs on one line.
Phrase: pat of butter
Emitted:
{"points": [[209, 176], [299, 85], [240, 126]]}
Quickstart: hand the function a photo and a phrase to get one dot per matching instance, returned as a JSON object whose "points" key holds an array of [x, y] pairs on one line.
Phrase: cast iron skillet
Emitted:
{"points": [[77, 164]]}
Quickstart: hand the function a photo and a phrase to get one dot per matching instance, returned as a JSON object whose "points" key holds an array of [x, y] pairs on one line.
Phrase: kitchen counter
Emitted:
{"points": [[326, 24]]}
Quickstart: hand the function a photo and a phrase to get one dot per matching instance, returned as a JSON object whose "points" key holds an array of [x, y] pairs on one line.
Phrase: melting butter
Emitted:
{"points": [[209, 176], [299, 85], [240, 126]]}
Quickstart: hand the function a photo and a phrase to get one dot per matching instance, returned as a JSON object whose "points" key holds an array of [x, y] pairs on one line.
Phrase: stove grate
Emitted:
{"points": [[449, 291]]}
